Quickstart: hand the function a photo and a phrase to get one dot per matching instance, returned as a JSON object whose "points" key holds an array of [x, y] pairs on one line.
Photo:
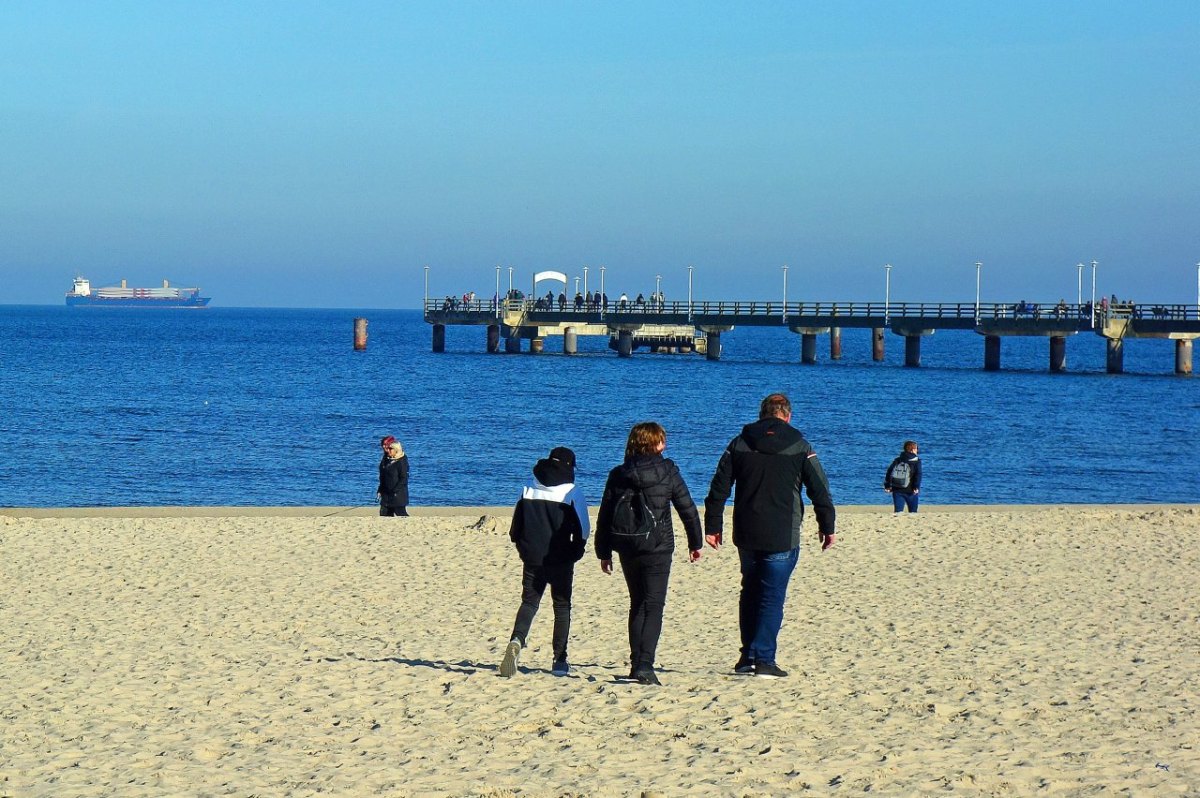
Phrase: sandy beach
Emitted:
{"points": [[325, 651]]}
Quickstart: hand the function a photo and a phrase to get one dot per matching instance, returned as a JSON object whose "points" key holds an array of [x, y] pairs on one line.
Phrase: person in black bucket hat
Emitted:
{"points": [[550, 529]]}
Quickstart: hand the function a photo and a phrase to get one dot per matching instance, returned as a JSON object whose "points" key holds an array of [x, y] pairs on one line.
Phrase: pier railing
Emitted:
{"points": [[776, 312], [761, 310]]}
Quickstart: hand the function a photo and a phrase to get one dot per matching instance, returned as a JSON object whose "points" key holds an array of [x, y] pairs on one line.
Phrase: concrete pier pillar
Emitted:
{"points": [[912, 351], [1115, 360], [493, 339], [1058, 353], [360, 334], [439, 338], [625, 343], [512, 345], [714, 347], [536, 345], [1183, 356], [991, 353], [877, 344], [808, 348], [570, 341], [835, 343]]}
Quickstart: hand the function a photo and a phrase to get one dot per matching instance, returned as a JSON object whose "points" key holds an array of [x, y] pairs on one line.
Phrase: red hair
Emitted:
{"points": [[645, 438]]}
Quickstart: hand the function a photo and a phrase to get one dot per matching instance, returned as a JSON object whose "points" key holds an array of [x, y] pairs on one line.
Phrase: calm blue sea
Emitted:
{"points": [[229, 406]]}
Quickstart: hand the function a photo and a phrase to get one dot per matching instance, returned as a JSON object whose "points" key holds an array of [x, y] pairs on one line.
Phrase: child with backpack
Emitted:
{"points": [[903, 478], [635, 521], [550, 530]]}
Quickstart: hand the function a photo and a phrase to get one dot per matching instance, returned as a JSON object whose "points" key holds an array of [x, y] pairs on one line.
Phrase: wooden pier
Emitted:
{"points": [[697, 326]]}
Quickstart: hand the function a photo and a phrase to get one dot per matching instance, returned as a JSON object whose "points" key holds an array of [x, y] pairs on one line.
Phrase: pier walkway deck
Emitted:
{"points": [[698, 325]]}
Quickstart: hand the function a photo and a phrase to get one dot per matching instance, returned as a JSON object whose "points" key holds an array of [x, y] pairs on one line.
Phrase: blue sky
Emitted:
{"points": [[321, 154]]}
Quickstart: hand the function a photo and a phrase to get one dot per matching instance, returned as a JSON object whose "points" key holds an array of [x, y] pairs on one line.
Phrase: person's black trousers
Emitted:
{"points": [[534, 580], [647, 576]]}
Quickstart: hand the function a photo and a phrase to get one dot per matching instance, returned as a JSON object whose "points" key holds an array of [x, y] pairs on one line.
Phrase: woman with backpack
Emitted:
{"points": [[634, 520]]}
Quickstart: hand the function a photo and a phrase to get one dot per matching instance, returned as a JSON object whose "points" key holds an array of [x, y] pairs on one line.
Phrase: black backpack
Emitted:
{"points": [[632, 521]]}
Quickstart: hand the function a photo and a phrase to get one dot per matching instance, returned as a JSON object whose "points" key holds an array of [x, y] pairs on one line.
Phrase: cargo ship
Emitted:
{"points": [[122, 296]]}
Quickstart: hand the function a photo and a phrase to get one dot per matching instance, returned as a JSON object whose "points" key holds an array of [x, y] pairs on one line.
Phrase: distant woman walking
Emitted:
{"points": [[635, 521], [393, 478]]}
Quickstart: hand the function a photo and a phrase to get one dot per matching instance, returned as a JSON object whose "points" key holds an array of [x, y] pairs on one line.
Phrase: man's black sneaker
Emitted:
{"points": [[646, 676], [561, 668], [744, 665], [769, 670]]}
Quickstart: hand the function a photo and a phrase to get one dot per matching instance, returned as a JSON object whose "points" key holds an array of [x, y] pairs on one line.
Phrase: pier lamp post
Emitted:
{"points": [[785, 293], [887, 294], [426, 286], [1094, 265], [658, 291], [510, 271], [497, 292], [585, 279], [1079, 289], [603, 298], [978, 269], [577, 285], [690, 268]]}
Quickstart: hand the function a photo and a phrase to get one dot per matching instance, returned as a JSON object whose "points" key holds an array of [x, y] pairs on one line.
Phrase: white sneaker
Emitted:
{"points": [[508, 666]]}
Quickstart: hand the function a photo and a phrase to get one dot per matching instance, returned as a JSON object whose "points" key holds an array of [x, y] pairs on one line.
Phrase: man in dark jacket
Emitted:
{"points": [[550, 528], [768, 462], [903, 478]]}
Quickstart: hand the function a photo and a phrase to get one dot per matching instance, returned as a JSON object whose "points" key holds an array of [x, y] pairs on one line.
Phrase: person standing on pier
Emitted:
{"points": [[393, 479], [903, 478], [768, 463]]}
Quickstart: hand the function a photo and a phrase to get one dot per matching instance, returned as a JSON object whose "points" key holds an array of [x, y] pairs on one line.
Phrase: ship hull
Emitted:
{"points": [[137, 302]]}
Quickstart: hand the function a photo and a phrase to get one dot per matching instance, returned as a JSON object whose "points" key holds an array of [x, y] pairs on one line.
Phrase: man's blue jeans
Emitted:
{"points": [[765, 576]]}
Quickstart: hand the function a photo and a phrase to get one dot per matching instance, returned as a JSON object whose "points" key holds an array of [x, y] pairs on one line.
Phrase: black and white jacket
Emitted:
{"points": [[550, 522]]}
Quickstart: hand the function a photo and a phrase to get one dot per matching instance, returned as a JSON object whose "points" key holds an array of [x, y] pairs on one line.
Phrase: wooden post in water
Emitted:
{"points": [[570, 341], [877, 344], [835, 343], [360, 335], [493, 339], [991, 353], [439, 338], [535, 346], [1183, 356], [1058, 354]]}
